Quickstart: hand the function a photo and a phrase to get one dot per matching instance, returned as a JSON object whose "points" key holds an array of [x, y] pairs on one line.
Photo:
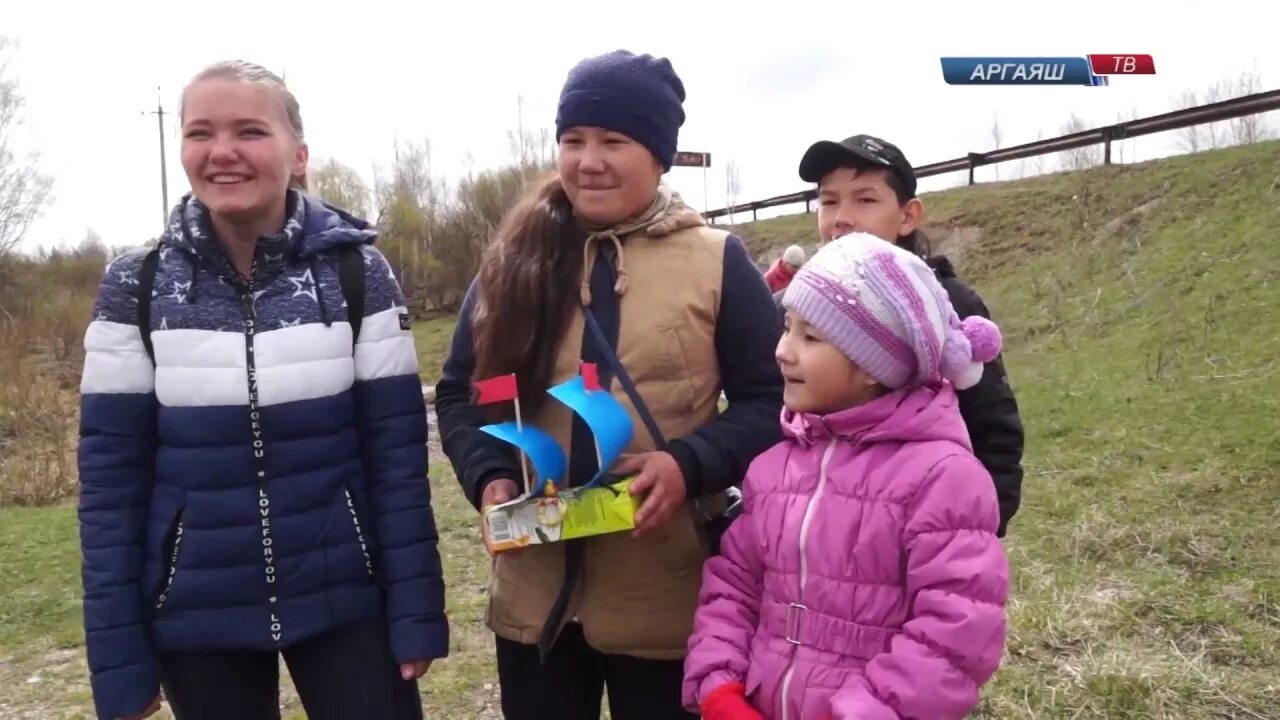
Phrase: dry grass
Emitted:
{"points": [[38, 416]]}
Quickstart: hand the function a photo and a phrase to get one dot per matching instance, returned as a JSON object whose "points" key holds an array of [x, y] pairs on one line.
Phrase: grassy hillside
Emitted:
{"points": [[1140, 307]]}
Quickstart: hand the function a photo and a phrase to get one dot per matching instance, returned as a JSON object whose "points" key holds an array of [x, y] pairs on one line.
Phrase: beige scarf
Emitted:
{"points": [[665, 215]]}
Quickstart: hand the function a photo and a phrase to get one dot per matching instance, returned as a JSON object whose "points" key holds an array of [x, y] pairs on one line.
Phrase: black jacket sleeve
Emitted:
{"points": [[990, 411], [477, 457], [716, 456]]}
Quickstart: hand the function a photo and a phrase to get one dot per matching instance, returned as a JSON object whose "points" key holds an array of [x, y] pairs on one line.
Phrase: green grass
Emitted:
{"points": [[432, 338], [1140, 307], [42, 670]]}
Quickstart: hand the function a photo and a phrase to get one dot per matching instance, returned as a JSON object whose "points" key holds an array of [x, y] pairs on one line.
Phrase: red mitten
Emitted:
{"points": [[729, 702]]}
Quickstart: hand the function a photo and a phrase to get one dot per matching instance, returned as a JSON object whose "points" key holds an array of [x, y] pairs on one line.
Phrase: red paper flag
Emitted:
{"points": [[496, 389], [590, 377]]}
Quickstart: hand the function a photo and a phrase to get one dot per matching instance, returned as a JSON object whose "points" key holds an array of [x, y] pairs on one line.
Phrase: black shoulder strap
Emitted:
{"points": [[351, 278], [620, 372], [146, 282]]}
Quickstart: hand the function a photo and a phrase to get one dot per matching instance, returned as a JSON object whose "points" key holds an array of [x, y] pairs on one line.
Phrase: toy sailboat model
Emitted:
{"points": [[549, 510], [548, 460]]}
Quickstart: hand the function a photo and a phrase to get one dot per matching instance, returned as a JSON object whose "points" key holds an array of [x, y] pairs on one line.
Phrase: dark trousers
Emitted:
{"points": [[348, 674], [570, 686]]}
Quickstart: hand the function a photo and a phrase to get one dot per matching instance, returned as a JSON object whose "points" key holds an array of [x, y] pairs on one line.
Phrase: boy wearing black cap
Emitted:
{"points": [[866, 184]]}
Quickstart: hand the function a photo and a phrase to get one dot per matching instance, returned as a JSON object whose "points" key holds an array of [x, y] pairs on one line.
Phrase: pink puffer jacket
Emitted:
{"points": [[864, 579]]}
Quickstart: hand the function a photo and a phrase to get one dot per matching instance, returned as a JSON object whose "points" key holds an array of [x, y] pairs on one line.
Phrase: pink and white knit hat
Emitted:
{"points": [[886, 311]]}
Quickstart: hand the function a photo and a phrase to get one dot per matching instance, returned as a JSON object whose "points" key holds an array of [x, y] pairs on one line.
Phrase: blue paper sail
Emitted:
{"points": [[608, 419], [548, 459]]}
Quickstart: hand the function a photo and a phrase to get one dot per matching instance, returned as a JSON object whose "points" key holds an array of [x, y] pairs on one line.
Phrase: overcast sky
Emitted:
{"points": [[761, 86]]}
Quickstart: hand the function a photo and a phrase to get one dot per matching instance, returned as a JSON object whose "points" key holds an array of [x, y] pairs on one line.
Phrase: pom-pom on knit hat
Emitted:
{"points": [[794, 255], [886, 311], [639, 96]]}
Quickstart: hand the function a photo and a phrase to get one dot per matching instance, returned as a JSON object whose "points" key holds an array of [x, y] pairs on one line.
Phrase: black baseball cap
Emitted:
{"points": [[826, 155]]}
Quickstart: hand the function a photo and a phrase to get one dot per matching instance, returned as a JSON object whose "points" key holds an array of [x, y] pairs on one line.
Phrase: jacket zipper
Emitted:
{"points": [[355, 520], [804, 572], [173, 563], [250, 313]]}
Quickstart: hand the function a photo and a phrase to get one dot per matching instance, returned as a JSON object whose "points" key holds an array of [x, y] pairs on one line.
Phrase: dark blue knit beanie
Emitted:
{"points": [[639, 96]]}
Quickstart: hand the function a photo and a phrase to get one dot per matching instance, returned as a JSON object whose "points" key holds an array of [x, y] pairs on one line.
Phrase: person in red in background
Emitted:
{"points": [[784, 268]]}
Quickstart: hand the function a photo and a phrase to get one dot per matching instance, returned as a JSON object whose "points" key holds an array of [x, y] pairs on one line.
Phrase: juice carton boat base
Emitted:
{"points": [[569, 514]]}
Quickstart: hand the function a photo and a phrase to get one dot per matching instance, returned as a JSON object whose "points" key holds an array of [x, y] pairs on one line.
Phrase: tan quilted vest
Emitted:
{"points": [[636, 596]]}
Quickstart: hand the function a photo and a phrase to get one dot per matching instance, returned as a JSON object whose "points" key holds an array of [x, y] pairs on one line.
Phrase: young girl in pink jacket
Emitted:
{"points": [[864, 579]]}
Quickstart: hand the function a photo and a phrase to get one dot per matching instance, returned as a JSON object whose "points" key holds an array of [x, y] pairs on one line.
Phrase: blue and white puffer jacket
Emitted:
{"points": [[263, 483]]}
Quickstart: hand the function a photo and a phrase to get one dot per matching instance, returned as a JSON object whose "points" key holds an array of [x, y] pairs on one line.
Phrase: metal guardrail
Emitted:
{"points": [[1175, 120]]}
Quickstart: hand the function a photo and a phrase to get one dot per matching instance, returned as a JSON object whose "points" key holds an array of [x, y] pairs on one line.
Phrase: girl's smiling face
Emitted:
{"points": [[238, 149], [819, 378]]}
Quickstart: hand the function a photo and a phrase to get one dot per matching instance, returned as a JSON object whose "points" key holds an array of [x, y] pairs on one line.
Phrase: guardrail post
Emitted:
{"points": [[806, 206], [1112, 132], [974, 159], [753, 214]]}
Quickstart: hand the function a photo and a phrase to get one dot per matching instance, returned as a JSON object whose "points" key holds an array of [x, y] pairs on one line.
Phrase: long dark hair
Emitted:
{"points": [[527, 284]]}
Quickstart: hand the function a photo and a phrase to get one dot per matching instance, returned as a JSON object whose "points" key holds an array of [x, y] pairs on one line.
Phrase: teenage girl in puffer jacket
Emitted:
{"points": [[864, 579]]}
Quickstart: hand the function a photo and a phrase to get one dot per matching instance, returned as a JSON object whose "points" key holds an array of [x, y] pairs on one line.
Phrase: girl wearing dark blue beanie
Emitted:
{"points": [[604, 264]]}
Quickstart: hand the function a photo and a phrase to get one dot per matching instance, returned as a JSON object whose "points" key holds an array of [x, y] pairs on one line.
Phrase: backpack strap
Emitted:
{"points": [[146, 283], [351, 278]]}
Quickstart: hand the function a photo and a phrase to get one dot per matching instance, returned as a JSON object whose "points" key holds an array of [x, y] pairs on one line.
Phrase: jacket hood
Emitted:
{"points": [[929, 412], [311, 227], [941, 264]]}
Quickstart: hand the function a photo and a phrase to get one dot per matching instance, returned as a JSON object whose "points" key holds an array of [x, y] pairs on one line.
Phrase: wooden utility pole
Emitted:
{"points": [[159, 112]]}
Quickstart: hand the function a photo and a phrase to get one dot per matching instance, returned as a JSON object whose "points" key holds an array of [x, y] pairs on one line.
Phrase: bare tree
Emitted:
{"points": [[1216, 92], [1117, 146], [531, 148], [24, 190], [92, 246], [409, 205], [342, 186], [546, 148], [1188, 137], [732, 186], [1120, 147], [1248, 129], [1079, 158], [1130, 142], [1039, 159], [996, 138], [433, 232], [1239, 131]]}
